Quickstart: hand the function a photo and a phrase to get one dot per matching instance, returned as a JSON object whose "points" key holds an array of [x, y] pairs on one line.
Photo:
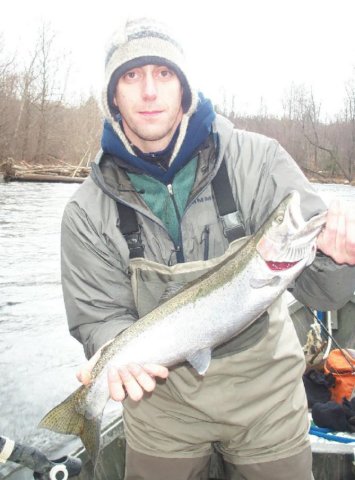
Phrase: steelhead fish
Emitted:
{"points": [[205, 313]]}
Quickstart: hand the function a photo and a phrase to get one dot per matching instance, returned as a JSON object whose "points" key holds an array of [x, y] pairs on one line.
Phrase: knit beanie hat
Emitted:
{"points": [[144, 42]]}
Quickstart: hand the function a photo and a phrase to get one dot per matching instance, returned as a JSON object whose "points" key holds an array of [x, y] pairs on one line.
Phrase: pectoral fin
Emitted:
{"points": [[265, 282], [172, 289], [200, 360]]}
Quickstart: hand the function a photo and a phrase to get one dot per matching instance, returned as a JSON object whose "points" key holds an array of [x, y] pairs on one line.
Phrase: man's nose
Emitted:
{"points": [[149, 87]]}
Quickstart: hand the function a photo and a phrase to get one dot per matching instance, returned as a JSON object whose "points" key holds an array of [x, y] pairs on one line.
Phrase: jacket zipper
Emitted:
{"points": [[179, 249], [206, 241], [206, 231]]}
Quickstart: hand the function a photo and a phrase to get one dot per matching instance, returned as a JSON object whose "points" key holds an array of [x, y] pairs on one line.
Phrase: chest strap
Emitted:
{"points": [[232, 220], [128, 224], [230, 215]]}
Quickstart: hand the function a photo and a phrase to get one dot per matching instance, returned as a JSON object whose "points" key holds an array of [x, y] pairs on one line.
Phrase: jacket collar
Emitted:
{"points": [[109, 172]]}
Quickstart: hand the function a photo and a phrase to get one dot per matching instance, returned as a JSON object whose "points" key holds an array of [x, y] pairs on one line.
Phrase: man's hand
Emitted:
{"points": [[337, 239], [133, 378]]}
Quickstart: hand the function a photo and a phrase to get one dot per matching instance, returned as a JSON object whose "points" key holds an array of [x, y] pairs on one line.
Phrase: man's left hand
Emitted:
{"points": [[337, 239]]}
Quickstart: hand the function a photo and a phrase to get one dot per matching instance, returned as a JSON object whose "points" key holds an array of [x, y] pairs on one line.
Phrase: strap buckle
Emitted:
{"points": [[233, 227], [134, 242]]}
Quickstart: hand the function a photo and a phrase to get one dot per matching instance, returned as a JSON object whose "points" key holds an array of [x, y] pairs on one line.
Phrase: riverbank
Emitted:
{"points": [[65, 173], [323, 177], [334, 180]]}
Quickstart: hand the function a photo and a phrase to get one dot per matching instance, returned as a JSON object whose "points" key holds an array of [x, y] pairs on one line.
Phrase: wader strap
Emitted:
{"points": [[128, 224], [227, 208]]}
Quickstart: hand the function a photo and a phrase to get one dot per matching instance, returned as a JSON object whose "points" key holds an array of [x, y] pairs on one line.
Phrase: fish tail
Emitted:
{"points": [[69, 418]]}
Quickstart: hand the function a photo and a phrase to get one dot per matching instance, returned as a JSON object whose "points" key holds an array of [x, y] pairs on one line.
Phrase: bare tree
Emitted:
{"points": [[24, 121], [83, 132], [323, 152], [8, 86], [309, 115], [42, 92], [349, 117], [46, 85]]}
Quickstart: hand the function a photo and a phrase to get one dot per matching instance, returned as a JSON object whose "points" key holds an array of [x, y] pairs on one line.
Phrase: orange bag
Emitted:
{"points": [[342, 367]]}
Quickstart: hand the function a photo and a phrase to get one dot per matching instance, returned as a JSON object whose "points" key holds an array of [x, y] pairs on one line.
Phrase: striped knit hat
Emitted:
{"points": [[143, 42]]}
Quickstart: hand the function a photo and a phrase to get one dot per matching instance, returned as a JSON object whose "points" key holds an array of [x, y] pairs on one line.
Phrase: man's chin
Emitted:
{"points": [[153, 135]]}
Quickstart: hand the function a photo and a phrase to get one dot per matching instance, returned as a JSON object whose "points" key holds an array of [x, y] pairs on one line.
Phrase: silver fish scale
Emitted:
{"points": [[207, 322]]}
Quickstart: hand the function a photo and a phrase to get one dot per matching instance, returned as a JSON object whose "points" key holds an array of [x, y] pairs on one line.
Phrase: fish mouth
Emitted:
{"points": [[291, 239], [303, 239], [280, 266]]}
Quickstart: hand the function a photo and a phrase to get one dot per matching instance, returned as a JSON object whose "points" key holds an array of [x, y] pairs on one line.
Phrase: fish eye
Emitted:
{"points": [[279, 219]]}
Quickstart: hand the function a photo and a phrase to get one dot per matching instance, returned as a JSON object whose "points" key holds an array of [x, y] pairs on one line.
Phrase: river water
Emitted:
{"points": [[38, 357]]}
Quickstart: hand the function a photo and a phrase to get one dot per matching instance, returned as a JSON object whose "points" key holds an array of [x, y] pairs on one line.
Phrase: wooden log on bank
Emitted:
{"points": [[44, 178], [25, 172]]}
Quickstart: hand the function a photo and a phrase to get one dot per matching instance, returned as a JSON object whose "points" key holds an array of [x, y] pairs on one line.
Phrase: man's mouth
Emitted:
{"points": [[150, 113]]}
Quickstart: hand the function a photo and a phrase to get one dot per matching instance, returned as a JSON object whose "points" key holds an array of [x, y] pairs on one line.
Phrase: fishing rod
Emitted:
{"points": [[326, 331], [32, 458]]}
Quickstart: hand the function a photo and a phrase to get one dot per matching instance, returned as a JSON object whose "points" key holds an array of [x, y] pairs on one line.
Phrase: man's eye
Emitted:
{"points": [[166, 73], [130, 75]]}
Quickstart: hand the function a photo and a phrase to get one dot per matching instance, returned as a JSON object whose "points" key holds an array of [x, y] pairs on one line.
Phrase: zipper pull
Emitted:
{"points": [[170, 189]]}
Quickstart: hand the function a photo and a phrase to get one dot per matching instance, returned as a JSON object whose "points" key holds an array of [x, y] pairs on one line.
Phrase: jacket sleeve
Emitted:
{"points": [[96, 286], [324, 285]]}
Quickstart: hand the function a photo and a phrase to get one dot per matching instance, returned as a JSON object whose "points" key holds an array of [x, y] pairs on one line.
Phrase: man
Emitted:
{"points": [[163, 146]]}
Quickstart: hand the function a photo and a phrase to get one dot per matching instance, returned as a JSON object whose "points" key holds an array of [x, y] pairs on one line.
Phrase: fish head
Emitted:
{"points": [[287, 238]]}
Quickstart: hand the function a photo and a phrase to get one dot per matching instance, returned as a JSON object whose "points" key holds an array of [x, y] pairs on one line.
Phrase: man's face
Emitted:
{"points": [[149, 101]]}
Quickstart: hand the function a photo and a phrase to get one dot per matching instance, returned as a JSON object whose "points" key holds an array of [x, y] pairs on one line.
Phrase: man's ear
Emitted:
{"points": [[115, 101]]}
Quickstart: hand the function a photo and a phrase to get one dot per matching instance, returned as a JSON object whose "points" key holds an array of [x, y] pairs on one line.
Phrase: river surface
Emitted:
{"points": [[38, 357]]}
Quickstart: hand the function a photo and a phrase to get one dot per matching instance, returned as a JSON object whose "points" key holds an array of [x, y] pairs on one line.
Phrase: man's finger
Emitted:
{"points": [[156, 370], [115, 386], [331, 227], [132, 387], [84, 373], [350, 229], [337, 238], [340, 240], [145, 380]]}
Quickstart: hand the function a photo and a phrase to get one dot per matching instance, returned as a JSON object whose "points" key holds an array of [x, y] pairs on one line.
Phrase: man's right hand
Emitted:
{"points": [[132, 380]]}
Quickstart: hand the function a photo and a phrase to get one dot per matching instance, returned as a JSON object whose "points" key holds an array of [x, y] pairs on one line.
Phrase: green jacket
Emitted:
{"points": [[95, 257]]}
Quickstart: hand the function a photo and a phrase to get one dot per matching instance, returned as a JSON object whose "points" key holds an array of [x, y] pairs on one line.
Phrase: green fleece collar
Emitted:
{"points": [[168, 207]]}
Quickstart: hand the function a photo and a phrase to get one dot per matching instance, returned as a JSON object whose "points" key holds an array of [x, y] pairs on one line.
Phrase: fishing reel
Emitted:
{"points": [[43, 468], [61, 469]]}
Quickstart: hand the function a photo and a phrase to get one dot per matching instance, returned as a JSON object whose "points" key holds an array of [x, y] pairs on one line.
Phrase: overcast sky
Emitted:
{"points": [[252, 48]]}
